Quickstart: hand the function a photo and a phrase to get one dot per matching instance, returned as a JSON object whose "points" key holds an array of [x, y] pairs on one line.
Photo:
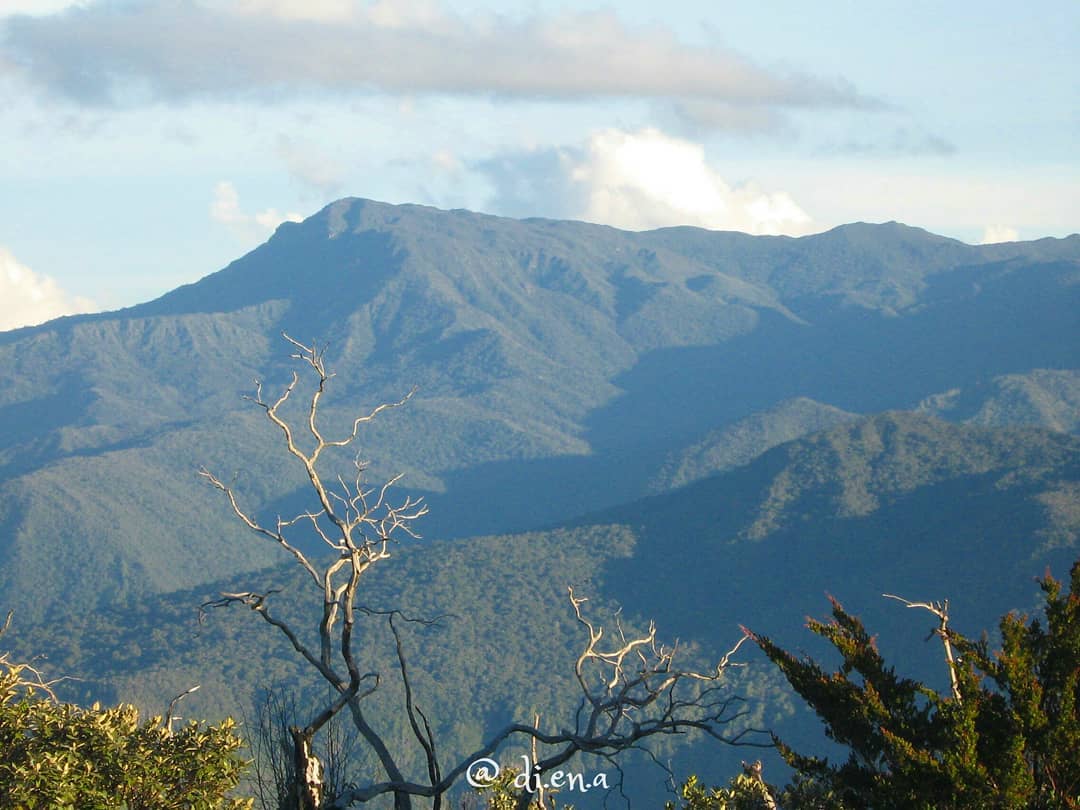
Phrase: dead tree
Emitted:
{"points": [[941, 610], [24, 677], [272, 752], [631, 690]]}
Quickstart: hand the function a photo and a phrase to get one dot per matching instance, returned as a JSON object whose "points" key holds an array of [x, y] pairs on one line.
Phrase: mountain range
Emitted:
{"points": [[707, 428]]}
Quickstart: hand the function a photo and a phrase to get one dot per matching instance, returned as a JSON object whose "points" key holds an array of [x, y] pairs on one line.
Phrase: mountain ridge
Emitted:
{"points": [[552, 357], [389, 214]]}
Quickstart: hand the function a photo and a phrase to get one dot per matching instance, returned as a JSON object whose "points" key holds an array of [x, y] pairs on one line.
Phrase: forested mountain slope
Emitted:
{"points": [[560, 367]]}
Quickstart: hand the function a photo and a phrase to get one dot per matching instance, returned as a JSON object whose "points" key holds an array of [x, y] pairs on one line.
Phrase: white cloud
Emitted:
{"points": [[36, 7], [407, 14], [321, 10], [161, 50], [993, 234], [648, 179], [249, 228], [637, 181], [382, 13], [27, 299]]}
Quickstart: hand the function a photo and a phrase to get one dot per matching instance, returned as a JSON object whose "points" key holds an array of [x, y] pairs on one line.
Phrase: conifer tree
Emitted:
{"points": [[1006, 736]]}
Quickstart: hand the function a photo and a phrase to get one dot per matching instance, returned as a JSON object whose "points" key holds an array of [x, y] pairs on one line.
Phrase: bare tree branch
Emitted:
{"points": [[170, 715], [632, 687], [628, 704], [36, 682], [941, 610]]}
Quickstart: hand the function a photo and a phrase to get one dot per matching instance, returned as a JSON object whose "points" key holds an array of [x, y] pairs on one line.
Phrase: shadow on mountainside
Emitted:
{"points": [[975, 324]]}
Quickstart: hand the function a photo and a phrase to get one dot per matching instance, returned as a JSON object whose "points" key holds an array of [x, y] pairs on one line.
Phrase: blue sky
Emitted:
{"points": [[147, 143]]}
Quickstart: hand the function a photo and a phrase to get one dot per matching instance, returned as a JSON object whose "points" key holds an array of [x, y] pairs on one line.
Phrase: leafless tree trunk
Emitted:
{"points": [[272, 748], [170, 715], [941, 610], [631, 688], [308, 770]]}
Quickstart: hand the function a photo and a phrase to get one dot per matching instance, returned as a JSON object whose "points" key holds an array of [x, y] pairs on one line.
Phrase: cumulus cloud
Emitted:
{"points": [[992, 234], [638, 180], [162, 50], [27, 299], [249, 228]]}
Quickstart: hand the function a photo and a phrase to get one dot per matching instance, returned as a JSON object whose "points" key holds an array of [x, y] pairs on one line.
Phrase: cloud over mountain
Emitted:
{"points": [[225, 208], [994, 234], [637, 181], [27, 298]]}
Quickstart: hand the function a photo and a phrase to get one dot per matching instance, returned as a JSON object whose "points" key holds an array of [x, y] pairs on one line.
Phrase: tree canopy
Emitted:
{"points": [[1006, 735], [59, 755]]}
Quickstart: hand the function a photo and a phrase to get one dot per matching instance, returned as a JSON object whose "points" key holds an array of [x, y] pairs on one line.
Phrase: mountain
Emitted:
{"points": [[560, 365], [894, 502], [746, 439], [1047, 397]]}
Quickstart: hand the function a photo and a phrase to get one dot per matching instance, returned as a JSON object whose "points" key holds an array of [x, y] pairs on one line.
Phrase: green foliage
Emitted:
{"points": [[743, 792], [483, 655], [749, 792], [1009, 738], [1034, 710], [58, 755], [501, 793]]}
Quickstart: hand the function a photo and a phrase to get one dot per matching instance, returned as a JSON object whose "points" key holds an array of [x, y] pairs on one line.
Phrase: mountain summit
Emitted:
{"points": [[560, 367]]}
